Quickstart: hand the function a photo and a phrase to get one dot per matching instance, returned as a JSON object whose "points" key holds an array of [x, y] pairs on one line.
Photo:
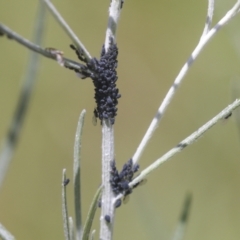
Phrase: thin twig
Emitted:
{"points": [[77, 175], [107, 206], [235, 94], [229, 15], [68, 30], [64, 207], [49, 54], [208, 22], [91, 214], [114, 14], [5, 234], [186, 142], [183, 220], [14, 130]]}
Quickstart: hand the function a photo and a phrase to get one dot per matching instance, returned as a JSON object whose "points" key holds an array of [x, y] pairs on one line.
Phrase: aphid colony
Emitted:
{"points": [[104, 76], [120, 181]]}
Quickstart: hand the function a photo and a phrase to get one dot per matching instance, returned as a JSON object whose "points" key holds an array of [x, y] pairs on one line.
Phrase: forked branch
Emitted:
{"points": [[202, 43], [45, 52], [186, 142]]}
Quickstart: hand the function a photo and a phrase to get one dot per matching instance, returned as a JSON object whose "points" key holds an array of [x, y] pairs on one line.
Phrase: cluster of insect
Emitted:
{"points": [[104, 75], [120, 180]]}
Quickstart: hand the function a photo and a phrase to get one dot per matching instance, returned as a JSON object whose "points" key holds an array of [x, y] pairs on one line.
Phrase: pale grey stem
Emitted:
{"points": [[114, 14], [71, 228], [229, 15], [12, 137], [68, 30], [64, 207], [5, 234], [49, 54], [183, 220], [208, 22], [107, 205], [186, 142], [77, 175], [235, 94]]}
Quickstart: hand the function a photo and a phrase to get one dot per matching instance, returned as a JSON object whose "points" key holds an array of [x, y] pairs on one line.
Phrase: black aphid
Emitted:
{"points": [[122, 2], [107, 218], [79, 53], [118, 203], [100, 203], [95, 116], [228, 116], [66, 182]]}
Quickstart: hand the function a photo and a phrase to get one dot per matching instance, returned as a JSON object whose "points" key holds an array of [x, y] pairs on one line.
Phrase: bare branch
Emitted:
{"points": [[186, 142], [5, 234], [114, 14], [108, 208], [151, 129], [67, 29], [45, 52], [208, 22]]}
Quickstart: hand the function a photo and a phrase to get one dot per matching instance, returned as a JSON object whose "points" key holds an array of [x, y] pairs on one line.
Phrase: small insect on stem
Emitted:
{"points": [[95, 116], [228, 116], [66, 182], [118, 203], [107, 218]]}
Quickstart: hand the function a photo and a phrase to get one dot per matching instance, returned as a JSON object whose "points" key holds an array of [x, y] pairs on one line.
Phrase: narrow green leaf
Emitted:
{"points": [[91, 214]]}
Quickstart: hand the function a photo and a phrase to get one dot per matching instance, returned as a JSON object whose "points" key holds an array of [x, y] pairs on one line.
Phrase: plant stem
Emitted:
{"points": [[208, 22], [173, 89], [107, 208], [186, 142], [67, 29], [13, 35], [5, 234]]}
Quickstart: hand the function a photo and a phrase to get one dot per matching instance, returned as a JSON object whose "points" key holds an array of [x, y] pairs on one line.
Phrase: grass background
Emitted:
{"points": [[155, 39]]}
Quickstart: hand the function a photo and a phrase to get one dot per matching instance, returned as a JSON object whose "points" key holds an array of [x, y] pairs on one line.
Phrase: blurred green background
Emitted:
{"points": [[155, 39]]}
